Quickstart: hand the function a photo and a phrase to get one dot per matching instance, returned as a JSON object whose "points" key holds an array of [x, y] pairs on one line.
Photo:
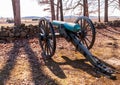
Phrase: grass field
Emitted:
{"points": [[21, 62]]}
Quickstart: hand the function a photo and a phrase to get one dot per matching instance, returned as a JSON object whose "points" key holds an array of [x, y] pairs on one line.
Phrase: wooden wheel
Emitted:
{"points": [[47, 38], [87, 32]]}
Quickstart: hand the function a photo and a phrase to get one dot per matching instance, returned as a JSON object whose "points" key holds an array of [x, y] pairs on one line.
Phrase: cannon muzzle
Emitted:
{"points": [[69, 26]]}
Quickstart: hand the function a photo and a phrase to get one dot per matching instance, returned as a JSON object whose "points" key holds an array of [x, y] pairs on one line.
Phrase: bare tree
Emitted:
{"points": [[16, 12], [52, 9], [106, 11], [85, 4], [116, 3], [81, 4], [72, 5], [119, 3], [57, 9], [98, 10], [80, 7], [61, 11], [43, 1]]}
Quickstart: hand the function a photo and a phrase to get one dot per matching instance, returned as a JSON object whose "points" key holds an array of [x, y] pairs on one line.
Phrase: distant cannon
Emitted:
{"points": [[35, 19], [10, 21], [81, 34]]}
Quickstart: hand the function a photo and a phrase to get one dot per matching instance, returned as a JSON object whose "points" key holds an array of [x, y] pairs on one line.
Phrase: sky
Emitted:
{"points": [[32, 8], [28, 8]]}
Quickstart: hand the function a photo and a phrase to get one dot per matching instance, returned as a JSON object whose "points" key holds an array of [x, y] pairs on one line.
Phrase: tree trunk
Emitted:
{"points": [[106, 11], [52, 9], [57, 9], [98, 10], [61, 11], [119, 3], [16, 12], [85, 11]]}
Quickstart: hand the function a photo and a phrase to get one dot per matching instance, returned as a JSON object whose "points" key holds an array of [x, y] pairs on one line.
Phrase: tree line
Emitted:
{"points": [[58, 6]]}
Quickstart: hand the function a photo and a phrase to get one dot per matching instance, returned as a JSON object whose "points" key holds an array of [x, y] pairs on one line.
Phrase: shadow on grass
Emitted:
{"points": [[55, 68], [5, 72], [83, 65], [113, 30], [80, 64], [109, 36], [38, 76], [108, 32]]}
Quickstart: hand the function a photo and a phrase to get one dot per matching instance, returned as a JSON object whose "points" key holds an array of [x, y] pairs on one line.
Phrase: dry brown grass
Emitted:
{"points": [[24, 21], [21, 62]]}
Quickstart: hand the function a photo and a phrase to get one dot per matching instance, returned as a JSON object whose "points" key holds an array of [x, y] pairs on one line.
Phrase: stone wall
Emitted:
{"points": [[11, 33], [102, 25], [7, 33]]}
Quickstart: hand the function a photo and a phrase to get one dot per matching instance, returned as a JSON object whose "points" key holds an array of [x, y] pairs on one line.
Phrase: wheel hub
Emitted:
{"points": [[82, 34]]}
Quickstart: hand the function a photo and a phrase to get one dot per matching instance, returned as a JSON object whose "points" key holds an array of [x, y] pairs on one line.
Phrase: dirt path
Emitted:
{"points": [[21, 62]]}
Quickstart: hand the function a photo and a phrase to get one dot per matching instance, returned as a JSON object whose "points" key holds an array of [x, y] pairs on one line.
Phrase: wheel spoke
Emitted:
{"points": [[88, 29], [87, 25], [87, 40], [87, 35], [49, 47], [45, 48], [84, 24], [86, 43], [81, 23], [83, 41], [43, 23], [48, 43]]}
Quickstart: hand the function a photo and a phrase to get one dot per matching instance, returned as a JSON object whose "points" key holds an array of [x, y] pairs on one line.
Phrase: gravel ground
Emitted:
{"points": [[21, 62]]}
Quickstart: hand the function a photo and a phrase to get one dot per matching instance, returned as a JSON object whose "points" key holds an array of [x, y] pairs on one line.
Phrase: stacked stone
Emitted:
{"points": [[19, 32], [100, 25]]}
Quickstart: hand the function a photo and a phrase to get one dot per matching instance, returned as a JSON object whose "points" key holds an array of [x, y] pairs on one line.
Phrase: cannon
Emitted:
{"points": [[81, 34]]}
